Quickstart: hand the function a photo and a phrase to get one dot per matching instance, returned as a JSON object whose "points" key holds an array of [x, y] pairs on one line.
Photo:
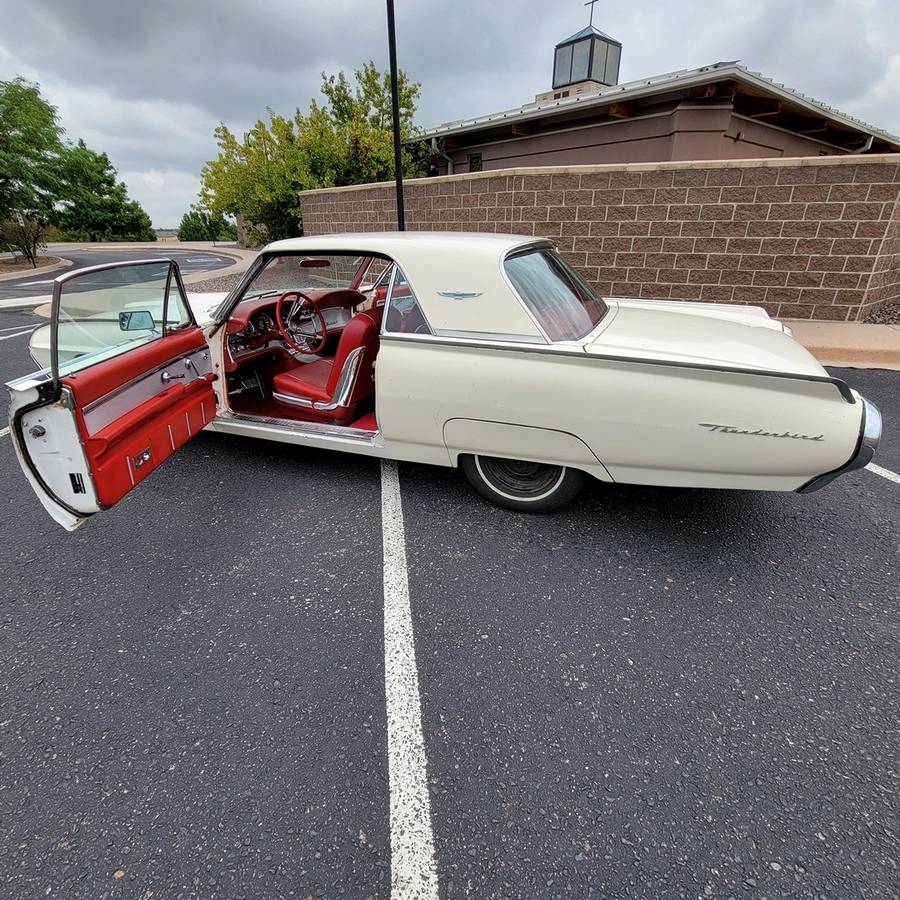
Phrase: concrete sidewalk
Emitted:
{"points": [[849, 344]]}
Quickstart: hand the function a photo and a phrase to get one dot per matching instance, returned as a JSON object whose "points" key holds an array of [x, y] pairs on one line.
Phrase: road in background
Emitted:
{"points": [[39, 284]]}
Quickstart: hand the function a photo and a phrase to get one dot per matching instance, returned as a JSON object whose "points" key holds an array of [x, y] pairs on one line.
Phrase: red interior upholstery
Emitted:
{"points": [[309, 380], [128, 449], [317, 381]]}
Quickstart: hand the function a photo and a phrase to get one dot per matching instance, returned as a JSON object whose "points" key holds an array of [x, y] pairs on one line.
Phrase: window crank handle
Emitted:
{"points": [[167, 377]]}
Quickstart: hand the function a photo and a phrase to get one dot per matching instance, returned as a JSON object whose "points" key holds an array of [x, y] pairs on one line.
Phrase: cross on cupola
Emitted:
{"points": [[588, 55]]}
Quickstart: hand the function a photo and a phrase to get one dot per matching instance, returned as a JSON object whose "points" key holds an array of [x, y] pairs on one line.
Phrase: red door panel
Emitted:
{"points": [[97, 381], [124, 452]]}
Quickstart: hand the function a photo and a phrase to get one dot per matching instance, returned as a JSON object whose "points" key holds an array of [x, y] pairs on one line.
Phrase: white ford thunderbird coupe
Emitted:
{"points": [[487, 352]]}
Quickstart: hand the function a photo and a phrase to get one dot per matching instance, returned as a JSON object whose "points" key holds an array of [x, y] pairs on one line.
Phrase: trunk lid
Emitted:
{"points": [[727, 336]]}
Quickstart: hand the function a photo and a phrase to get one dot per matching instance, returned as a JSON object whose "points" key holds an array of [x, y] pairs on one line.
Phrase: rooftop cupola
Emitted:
{"points": [[588, 55]]}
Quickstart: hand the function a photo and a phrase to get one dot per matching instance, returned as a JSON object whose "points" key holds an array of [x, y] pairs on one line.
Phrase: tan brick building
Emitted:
{"points": [[806, 238]]}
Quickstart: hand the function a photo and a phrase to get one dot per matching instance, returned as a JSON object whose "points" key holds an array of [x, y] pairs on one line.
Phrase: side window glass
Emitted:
{"points": [[404, 315], [101, 314]]}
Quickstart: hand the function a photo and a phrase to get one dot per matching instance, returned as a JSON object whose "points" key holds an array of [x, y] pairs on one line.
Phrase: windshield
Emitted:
{"points": [[302, 273], [558, 297]]}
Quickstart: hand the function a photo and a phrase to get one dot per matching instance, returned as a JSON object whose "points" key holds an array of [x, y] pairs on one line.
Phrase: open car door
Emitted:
{"points": [[128, 381]]}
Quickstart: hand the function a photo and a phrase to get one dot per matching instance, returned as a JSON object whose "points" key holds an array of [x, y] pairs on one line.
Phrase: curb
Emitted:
{"points": [[850, 345], [40, 270]]}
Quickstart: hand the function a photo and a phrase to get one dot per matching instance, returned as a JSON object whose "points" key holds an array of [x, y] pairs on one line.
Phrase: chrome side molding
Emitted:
{"points": [[577, 350]]}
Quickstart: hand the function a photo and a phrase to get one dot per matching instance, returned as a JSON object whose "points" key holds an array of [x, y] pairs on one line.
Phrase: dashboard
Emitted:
{"points": [[252, 328], [253, 336]]}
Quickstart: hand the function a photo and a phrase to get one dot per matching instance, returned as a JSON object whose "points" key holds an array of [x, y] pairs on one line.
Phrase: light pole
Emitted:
{"points": [[395, 109]]}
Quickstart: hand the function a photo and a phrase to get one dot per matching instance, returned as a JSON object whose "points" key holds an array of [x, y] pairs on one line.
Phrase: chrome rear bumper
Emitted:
{"points": [[869, 437]]}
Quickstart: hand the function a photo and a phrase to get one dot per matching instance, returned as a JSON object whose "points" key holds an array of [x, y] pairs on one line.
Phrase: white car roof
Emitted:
{"points": [[438, 263], [399, 243]]}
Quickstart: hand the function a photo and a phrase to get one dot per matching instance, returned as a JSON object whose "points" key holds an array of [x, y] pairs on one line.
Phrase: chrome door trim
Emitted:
{"points": [[498, 336], [318, 429], [106, 409]]}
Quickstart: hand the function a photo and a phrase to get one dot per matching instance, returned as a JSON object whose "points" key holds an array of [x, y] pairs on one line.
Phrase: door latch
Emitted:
{"points": [[37, 431]]}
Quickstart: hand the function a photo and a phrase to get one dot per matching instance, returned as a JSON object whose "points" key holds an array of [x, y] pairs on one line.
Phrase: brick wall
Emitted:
{"points": [[805, 238]]}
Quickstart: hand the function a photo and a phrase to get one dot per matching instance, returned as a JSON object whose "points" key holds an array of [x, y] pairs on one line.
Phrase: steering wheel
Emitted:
{"points": [[304, 310]]}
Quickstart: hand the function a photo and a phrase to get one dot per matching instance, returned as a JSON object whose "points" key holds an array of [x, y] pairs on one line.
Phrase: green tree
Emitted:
{"points": [[346, 140], [30, 144], [199, 225], [94, 206]]}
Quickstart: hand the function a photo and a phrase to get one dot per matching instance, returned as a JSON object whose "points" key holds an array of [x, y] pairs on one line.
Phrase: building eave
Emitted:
{"points": [[659, 85]]}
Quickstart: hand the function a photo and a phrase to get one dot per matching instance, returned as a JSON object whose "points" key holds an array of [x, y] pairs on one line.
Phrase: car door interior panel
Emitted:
{"points": [[136, 410]]}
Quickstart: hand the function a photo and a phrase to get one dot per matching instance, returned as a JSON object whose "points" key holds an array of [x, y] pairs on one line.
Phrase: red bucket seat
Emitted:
{"points": [[331, 389]]}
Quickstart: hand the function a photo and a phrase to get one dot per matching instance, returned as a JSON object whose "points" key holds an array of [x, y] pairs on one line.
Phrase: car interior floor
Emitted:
{"points": [[250, 394]]}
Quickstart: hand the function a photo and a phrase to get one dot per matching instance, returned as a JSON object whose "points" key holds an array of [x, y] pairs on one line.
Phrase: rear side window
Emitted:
{"points": [[403, 315], [557, 296]]}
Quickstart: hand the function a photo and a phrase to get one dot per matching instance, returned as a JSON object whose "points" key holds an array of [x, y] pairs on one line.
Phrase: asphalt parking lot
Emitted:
{"points": [[40, 284], [653, 693]]}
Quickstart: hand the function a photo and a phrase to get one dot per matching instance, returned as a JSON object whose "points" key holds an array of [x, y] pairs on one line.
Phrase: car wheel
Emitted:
{"points": [[523, 486]]}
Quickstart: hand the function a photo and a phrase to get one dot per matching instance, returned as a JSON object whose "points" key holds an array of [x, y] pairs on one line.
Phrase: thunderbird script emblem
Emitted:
{"points": [[759, 432]]}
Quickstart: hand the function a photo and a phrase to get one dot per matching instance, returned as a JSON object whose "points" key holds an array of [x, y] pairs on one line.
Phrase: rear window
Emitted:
{"points": [[558, 297]]}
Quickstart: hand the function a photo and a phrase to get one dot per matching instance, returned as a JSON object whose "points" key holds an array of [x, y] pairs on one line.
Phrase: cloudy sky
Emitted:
{"points": [[148, 81]]}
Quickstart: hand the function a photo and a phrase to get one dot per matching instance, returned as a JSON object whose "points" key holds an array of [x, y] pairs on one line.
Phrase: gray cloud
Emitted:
{"points": [[147, 83]]}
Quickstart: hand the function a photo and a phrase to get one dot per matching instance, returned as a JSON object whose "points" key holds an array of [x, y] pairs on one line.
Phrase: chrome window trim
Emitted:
{"points": [[390, 296], [543, 244], [578, 351], [485, 343]]}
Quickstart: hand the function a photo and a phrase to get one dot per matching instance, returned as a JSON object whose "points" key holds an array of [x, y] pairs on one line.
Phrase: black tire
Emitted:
{"points": [[522, 486]]}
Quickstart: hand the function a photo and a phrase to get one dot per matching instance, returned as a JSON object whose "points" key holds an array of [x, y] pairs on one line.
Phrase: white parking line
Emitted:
{"points": [[884, 473], [4, 432], [7, 337], [413, 869], [16, 328]]}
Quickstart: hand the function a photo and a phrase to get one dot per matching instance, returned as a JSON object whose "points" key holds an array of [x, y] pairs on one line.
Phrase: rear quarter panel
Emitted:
{"points": [[645, 424]]}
